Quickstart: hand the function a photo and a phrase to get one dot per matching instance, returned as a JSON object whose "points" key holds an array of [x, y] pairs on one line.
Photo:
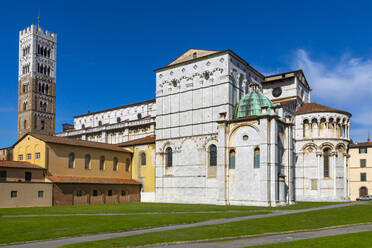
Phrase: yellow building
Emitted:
{"points": [[143, 165], [360, 179], [82, 172]]}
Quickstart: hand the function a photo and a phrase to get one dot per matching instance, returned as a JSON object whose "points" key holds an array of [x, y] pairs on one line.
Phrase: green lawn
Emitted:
{"points": [[144, 207], [37, 228], [299, 221], [359, 240]]}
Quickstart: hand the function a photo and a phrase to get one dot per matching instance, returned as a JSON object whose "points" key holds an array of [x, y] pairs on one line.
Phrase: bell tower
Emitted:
{"points": [[37, 81]]}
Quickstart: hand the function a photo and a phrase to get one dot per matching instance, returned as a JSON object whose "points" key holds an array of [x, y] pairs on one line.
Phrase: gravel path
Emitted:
{"points": [[53, 243]]}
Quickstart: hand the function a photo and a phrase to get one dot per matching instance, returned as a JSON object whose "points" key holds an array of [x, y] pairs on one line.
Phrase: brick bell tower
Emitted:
{"points": [[37, 81]]}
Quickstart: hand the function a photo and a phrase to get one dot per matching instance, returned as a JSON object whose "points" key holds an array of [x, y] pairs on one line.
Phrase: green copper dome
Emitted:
{"points": [[252, 103]]}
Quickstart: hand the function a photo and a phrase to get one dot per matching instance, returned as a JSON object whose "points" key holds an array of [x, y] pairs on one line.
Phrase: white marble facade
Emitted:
{"points": [[193, 114]]}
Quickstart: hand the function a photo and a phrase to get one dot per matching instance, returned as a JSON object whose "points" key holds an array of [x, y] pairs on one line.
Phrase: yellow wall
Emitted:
{"points": [[30, 145], [144, 173], [59, 155], [55, 158], [355, 170]]}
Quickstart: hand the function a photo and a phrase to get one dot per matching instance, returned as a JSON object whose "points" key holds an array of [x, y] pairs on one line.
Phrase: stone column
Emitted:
{"points": [[318, 155], [334, 173], [222, 169], [345, 176]]}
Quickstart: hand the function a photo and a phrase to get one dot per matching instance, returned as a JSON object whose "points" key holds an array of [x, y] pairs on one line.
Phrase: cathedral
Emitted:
{"points": [[222, 132]]}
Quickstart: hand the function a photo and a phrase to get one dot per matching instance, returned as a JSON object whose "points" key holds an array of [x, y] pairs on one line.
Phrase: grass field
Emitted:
{"points": [[37, 228], [359, 240], [145, 207], [299, 221]]}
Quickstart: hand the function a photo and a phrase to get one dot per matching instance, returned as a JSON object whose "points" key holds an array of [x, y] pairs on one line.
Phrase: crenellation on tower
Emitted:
{"points": [[36, 81]]}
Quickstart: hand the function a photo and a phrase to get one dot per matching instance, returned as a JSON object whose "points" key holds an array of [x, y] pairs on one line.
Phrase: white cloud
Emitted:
{"points": [[345, 83]]}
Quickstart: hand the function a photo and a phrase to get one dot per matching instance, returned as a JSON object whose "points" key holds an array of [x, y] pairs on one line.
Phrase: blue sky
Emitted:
{"points": [[107, 50]]}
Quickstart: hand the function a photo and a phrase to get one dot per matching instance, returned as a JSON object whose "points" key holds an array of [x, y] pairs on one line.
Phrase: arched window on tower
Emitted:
{"points": [[46, 89], [169, 157], [326, 162], [48, 53], [118, 119], [232, 159], [212, 155], [257, 158], [24, 106], [42, 125]]}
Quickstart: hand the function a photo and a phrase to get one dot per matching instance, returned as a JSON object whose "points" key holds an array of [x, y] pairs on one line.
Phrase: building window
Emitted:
{"points": [[143, 158], [123, 193], [118, 119], [109, 192], [115, 167], [3, 175], [362, 149], [363, 163], [363, 191], [20, 157], [42, 125], [127, 164], [28, 156], [232, 159], [169, 159], [24, 106], [326, 162], [40, 194], [102, 163], [13, 194], [257, 158], [24, 124], [139, 115], [212, 155], [71, 160], [87, 162], [95, 192], [28, 176], [83, 126], [100, 123], [37, 155], [79, 193], [363, 177]]}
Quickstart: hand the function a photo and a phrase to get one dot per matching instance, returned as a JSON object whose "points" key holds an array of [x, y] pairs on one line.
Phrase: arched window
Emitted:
{"points": [[127, 164], [326, 162], [118, 119], [71, 160], [212, 155], [232, 159], [24, 106], [115, 166], [100, 123], [169, 159], [46, 89], [83, 126], [102, 163], [143, 158], [24, 124], [87, 162], [139, 115], [257, 157], [42, 125]]}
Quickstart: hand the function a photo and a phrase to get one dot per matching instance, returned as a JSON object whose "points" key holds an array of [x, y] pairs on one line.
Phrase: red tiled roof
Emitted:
{"points": [[19, 164], [77, 142], [361, 144], [141, 141], [98, 180], [314, 107], [119, 107]]}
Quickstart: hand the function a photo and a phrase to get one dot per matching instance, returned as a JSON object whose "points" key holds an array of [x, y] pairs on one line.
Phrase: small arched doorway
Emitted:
{"points": [[363, 191]]}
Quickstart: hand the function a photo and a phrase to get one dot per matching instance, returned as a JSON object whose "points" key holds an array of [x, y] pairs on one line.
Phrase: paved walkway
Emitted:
{"points": [[272, 238], [102, 236]]}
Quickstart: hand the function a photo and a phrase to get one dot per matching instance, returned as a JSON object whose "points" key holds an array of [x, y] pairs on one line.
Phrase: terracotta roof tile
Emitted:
{"points": [[76, 142], [98, 180], [19, 164], [141, 141], [361, 144], [314, 107]]}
